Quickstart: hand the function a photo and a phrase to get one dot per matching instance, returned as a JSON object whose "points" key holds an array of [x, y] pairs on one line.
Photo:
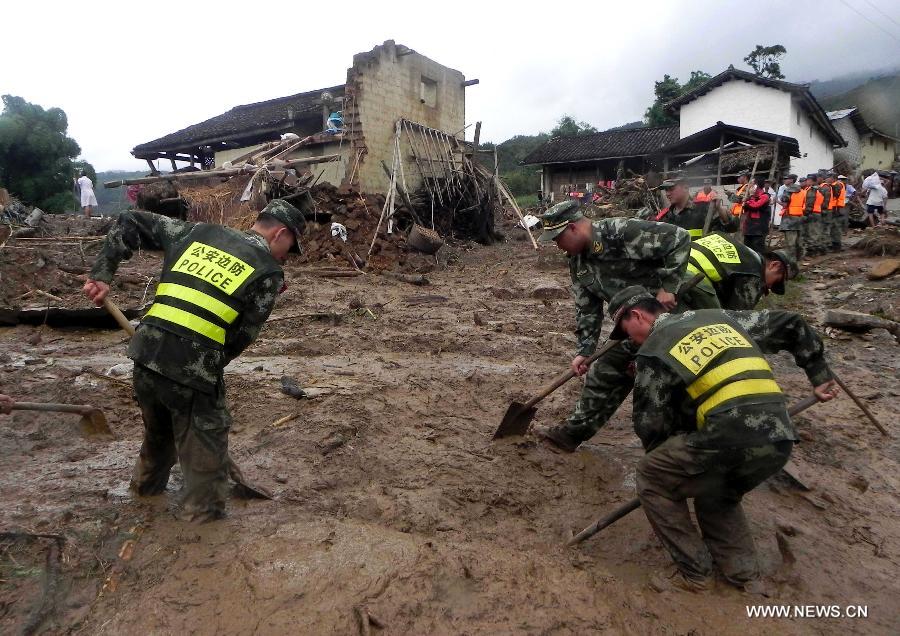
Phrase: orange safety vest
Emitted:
{"points": [[796, 202], [702, 197], [817, 203], [738, 208], [839, 200]]}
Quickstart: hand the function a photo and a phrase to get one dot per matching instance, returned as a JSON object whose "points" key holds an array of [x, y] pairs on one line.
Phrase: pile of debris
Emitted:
{"points": [[883, 240], [233, 194], [628, 198]]}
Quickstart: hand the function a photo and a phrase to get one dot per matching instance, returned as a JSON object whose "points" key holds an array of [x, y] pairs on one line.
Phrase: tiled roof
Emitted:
{"points": [[632, 142], [241, 121]]}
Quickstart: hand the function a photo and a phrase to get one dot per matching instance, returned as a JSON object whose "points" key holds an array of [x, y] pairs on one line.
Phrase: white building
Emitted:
{"points": [[743, 99], [866, 147]]}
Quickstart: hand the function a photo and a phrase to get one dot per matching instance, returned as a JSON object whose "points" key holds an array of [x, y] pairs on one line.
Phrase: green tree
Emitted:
{"points": [[766, 60], [36, 154], [665, 91], [568, 126]]}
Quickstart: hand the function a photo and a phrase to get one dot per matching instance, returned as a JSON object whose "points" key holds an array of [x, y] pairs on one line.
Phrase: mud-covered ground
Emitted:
{"points": [[389, 494]]}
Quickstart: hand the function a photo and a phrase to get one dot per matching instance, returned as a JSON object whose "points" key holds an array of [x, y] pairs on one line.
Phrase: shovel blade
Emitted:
{"points": [[515, 421], [93, 424]]}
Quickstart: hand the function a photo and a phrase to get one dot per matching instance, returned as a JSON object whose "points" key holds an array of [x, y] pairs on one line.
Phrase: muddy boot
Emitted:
{"points": [[673, 579], [758, 587], [556, 437]]}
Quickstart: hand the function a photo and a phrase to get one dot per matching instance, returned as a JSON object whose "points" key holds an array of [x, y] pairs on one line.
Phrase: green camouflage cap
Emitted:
{"points": [[790, 267], [622, 302], [557, 219], [668, 183], [290, 216]]}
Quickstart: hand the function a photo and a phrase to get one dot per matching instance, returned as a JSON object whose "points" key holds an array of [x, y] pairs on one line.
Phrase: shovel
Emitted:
{"points": [[518, 416], [93, 422], [607, 520], [245, 489]]}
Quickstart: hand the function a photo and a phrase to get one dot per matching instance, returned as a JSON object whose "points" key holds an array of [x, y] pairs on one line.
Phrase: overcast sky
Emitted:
{"points": [[128, 73]]}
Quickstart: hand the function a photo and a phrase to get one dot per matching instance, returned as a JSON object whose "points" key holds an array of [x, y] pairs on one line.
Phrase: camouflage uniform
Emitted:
{"points": [[715, 426], [217, 288], [823, 238], [623, 252], [692, 218], [840, 215], [793, 225], [735, 276]]}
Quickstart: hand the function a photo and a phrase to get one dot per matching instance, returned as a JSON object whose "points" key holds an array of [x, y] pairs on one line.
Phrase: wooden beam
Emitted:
{"points": [[153, 169], [471, 82], [719, 167], [205, 174], [774, 159]]}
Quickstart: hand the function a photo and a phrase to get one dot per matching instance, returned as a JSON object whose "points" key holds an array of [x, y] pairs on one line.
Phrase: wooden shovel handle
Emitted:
{"points": [[116, 313], [860, 404], [635, 503], [609, 344], [81, 409]]}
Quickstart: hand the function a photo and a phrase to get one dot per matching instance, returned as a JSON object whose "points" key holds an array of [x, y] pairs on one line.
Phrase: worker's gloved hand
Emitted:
{"points": [[6, 404], [579, 365], [666, 299], [827, 391], [96, 290]]}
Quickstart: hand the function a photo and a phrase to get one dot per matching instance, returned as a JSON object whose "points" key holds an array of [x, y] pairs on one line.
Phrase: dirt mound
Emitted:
{"points": [[883, 240]]}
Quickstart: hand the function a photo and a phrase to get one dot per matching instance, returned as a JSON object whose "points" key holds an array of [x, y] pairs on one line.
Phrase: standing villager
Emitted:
{"points": [[690, 214], [779, 210], [86, 191], [713, 421], [217, 288], [876, 195], [606, 256], [756, 218]]}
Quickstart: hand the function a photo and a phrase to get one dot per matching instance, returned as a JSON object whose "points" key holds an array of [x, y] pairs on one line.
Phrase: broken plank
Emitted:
{"points": [[858, 322]]}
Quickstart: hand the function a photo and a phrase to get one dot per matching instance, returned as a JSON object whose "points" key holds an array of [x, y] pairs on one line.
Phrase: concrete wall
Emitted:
{"points": [[851, 152], [388, 83], [742, 103], [816, 150], [738, 103], [876, 152]]}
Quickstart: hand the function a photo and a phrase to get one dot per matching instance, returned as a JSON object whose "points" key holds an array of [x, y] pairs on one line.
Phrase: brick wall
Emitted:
{"points": [[385, 84]]}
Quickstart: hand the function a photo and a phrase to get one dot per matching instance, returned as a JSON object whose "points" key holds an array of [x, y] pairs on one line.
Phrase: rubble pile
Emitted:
{"points": [[883, 240]]}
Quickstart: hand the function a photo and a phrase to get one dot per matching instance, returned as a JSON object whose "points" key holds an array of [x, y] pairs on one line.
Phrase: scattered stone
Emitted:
{"points": [[503, 293], [119, 370], [884, 269], [549, 291], [859, 482]]}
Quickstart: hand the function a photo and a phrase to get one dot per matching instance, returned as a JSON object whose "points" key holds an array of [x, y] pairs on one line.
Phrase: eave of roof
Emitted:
{"points": [[270, 116], [606, 145]]}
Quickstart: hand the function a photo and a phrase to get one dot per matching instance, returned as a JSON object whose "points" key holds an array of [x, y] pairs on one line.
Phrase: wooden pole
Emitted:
{"points": [[774, 165], [719, 169], [415, 152]]}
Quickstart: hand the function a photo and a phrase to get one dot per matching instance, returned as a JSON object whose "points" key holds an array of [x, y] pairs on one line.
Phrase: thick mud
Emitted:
{"points": [[390, 495]]}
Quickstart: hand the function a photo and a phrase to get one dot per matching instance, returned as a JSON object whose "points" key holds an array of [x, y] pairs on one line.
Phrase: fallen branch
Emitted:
{"points": [[412, 279]]}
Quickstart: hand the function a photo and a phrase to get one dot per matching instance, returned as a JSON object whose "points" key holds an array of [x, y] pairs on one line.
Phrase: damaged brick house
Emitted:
{"points": [[356, 120]]}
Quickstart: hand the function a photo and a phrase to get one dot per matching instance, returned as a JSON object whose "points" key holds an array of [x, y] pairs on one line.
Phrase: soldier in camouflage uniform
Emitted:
{"points": [[691, 215], [823, 238], [713, 421], [606, 256], [217, 288], [736, 276]]}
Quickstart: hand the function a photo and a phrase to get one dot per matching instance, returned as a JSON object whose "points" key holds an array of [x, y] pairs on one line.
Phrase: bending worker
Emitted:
{"points": [[605, 256], [714, 424], [217, 288]]}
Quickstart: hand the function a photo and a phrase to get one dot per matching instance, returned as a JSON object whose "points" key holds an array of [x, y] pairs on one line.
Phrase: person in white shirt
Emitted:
{"points": [[875, 201], [88, 198], [789, 180]]}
